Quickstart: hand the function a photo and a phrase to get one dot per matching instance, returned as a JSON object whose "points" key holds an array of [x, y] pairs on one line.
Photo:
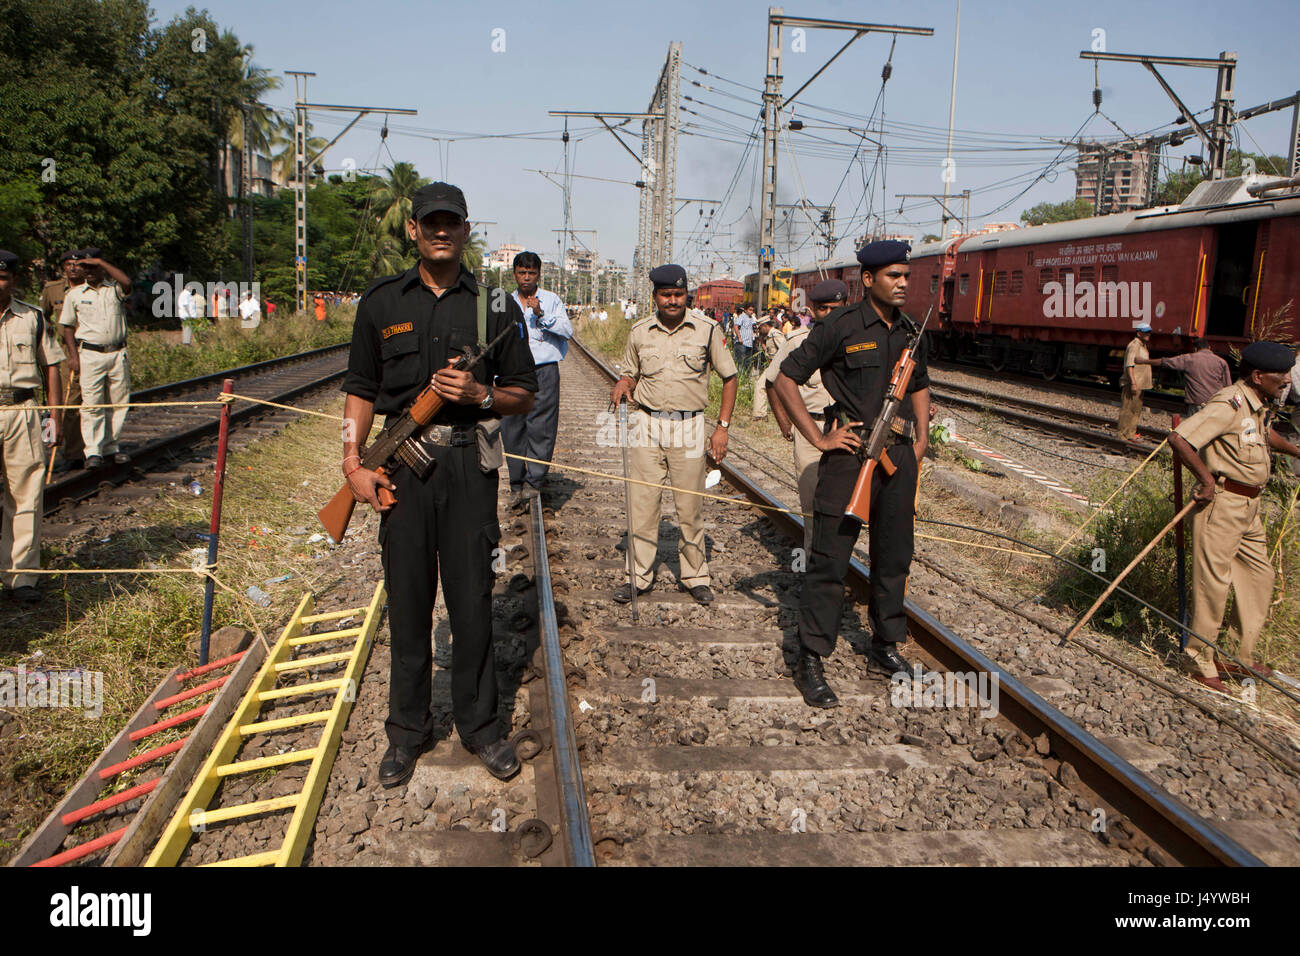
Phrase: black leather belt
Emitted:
{"points": [[12, 396], [818, 416], [100, 348], [659, 414], [453, 435]]}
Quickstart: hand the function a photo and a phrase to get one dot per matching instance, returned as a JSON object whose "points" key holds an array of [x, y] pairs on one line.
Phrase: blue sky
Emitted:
{"points": [[1019, 78]]}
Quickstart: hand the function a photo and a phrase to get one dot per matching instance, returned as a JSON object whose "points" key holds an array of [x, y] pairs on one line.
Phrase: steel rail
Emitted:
{"points": [[1086, 435], [155, 392], [574, 819], [1160, 815], [81, 484], [938, 388]]}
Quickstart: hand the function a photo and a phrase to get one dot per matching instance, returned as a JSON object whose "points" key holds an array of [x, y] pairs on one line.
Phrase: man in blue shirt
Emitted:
{"points": [[549, 331], [744, 325]]}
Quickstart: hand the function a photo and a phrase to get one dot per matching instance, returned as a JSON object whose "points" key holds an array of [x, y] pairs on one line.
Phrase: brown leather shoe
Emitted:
{"points": [[1213, 683], [1250, 670]]}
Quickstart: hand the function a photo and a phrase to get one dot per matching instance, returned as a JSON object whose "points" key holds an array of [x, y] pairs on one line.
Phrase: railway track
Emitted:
{"points": [[680, 739], [1154, 399], [153, 437], [1045, 417], [695, 753]]}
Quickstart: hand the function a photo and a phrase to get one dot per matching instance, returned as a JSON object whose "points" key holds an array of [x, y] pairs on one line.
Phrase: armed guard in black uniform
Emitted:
{"points": [[856, 348], [409, 329]]}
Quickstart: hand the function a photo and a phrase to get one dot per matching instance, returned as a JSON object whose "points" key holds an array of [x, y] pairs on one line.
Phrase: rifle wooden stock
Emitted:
{"points": [[337, 514], [860, 501]]}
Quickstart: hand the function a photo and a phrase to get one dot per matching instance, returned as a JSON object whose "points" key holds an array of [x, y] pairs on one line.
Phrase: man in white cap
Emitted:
{"points": [[1136, 378]]}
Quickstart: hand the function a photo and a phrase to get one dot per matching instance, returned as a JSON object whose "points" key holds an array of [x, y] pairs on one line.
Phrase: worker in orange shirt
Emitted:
{"points": [[319, 300]]}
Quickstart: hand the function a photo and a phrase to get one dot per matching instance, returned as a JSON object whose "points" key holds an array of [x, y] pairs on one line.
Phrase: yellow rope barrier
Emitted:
{"points": [[1102, 506]]}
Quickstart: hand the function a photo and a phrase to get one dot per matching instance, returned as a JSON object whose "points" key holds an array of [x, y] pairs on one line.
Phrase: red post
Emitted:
{"points": [[214, 528]]}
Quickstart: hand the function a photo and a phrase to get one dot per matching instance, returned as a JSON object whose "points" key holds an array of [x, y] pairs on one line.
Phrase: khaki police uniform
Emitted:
{"points": [[1130, 407], [771, 347], [806, 454], [27, 348], [1229, 547], [53, 296], [666, 433], [97, 315]]}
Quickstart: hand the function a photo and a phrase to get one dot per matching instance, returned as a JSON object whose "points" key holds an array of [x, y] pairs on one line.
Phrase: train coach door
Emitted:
{"points": [[1234, 254]]}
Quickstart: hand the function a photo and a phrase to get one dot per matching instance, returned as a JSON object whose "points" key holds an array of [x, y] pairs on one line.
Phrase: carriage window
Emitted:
{"points": [[1045, 276], [934, 283], [1017, 282], [964, 285], [1087, 273], [999, 283], [1110, 273]]}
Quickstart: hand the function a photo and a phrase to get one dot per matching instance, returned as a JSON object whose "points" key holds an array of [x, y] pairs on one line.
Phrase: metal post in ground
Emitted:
{"points": [[214, 527]]}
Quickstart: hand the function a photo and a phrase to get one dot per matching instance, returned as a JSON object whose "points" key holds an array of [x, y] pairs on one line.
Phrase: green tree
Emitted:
{"points": [[1179, 184], [391, 198], [472, 254], [1046, 212]]}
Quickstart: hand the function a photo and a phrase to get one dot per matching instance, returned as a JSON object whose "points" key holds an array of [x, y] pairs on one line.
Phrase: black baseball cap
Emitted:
{"points": [[438, 197]]}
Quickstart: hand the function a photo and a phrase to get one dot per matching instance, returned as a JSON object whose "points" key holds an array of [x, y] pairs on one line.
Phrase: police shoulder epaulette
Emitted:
{"points": [[1235, 402]]}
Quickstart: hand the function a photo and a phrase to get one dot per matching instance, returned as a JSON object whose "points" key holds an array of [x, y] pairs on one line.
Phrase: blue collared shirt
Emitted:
{"points": [[548, 333], [744, 323]]}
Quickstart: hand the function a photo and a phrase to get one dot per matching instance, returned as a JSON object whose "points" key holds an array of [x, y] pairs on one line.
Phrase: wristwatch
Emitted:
{"points": [[486, 404], [723, 423]]}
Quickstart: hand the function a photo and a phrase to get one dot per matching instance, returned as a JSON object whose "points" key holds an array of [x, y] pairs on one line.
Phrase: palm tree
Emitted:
{"points": [[265, 127], [472, 254], [391, 198]]}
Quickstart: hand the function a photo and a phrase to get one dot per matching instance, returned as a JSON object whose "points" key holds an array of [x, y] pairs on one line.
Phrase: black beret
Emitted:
{"points": [[70, 254], [876, 255], [1268, 356], [8, 261], [669, 276], [830, 290], [90, 252]]}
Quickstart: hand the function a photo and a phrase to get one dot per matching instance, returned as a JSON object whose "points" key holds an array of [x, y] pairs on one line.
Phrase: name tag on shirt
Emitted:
{"points": [[860, 347], [392, 330]]}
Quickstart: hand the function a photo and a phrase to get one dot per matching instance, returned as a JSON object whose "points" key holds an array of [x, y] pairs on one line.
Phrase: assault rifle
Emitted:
{"points": [[873, 452], [398, 444]]}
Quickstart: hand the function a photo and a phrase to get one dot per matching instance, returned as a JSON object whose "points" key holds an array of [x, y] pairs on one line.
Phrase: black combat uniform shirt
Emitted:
{"points": [[856, 353], [404, 333]]}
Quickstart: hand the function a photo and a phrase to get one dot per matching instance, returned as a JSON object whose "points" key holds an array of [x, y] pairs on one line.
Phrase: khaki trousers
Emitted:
{"points": [[806, 459], [667, 452], [1130, 412], [22, 459], [760, 396], [74, 447], [1229, 550], [105, 378]]}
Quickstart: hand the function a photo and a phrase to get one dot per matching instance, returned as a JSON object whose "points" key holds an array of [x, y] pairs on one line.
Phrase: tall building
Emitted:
{"points": [[1116, 176], [580, 260], [503, 257]]}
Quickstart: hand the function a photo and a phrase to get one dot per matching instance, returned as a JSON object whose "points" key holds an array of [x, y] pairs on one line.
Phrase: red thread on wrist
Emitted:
{"points": [[348, 474]]}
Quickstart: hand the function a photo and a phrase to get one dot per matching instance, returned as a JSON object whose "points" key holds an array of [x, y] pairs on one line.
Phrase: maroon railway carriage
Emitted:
{"points": [[721, 294], [1066, 296]]}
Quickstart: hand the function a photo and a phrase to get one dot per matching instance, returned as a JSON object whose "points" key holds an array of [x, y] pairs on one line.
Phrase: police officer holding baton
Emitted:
{"points": [[856, 348]]}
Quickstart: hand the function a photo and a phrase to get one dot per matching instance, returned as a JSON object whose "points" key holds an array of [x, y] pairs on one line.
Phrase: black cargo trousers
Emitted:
{"points": [[451, 515], [893, 512]]}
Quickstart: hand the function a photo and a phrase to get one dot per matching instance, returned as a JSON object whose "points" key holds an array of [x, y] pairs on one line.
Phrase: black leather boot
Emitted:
{"points": [[810, 680], [885, 657]]}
